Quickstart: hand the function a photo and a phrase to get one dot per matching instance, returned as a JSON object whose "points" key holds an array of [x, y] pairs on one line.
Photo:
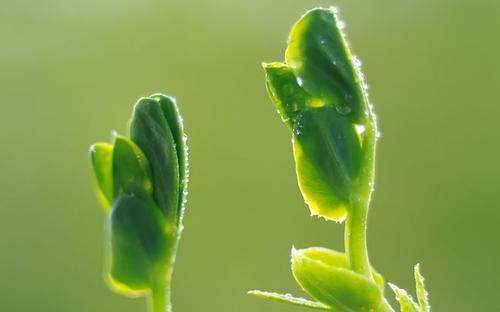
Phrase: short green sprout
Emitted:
{"points": [[320, 94], [142, 184]]}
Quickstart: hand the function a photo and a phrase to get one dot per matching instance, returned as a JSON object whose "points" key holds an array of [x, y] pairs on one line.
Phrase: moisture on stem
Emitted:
{"points": [[142, 184], [320, 94]]}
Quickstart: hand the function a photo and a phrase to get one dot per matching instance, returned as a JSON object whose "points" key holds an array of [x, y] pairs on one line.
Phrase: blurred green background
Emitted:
{"points": [[70, 72]]}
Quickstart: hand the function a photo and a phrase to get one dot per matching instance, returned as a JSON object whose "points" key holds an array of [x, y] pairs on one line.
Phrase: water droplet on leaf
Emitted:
{"points": [[344, 109]]}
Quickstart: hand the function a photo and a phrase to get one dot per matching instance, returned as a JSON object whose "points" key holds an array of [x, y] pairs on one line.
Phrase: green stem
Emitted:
{"points": [[160, 298], [355, 239], [355, 229]]}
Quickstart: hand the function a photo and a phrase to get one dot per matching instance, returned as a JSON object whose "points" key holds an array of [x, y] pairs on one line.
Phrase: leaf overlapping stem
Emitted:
{"points": [[142, 184], [320, 94]]}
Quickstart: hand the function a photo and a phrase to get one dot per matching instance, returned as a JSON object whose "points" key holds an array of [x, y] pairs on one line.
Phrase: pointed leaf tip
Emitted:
{"points": [[422, 294], [101, 155], [406, 302], [287, 298]]}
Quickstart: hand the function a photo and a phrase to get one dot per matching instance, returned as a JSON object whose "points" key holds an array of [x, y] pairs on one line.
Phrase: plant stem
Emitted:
{"points": [[355, 239], [355, 229], [160, 298]]}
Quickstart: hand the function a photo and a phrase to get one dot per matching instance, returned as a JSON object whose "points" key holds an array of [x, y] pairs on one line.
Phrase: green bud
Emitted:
{"points": [[318, 96], [324, 275], [142, 183], [336, 259]]}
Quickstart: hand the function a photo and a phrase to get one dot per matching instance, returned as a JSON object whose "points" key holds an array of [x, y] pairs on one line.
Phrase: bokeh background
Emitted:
{"points": [[70, 72]]}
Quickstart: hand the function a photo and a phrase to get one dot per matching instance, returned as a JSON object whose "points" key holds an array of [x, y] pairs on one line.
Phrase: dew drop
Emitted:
{"points": [[344, 109], [357, 62], [341, 219], [298, 127], [372, 186], [295, 64], [360, 129]]}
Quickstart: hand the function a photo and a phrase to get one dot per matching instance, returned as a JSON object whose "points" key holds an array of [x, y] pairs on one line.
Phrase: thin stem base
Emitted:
{"points": [[160, 296]]}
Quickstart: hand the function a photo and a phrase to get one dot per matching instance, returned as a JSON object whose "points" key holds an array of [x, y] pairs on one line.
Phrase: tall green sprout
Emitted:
{"points": [[322, 98], [142, 185]]}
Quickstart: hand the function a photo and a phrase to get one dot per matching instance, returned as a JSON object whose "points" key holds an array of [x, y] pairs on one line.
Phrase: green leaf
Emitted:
{"points": [[139, 244], [131, 173], [150, 131], [422, 295], [337, 287], [320, 96], [288, 97], [336, 259], [174, 121], [327, 152], [406, 303], [101, 155], [289, 299], [320, 58]]}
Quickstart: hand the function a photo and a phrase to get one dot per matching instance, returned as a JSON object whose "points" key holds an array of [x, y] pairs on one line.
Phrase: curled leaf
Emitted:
{"points": [[150, 130], [286, 94], [336, 259], [139, 244], [101, 155], [337, 287], [131, 173], [320, 59]]}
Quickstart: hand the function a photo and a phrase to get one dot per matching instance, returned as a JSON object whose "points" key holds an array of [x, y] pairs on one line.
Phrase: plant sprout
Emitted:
{"points": [[142, 185], [320, 94]]}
